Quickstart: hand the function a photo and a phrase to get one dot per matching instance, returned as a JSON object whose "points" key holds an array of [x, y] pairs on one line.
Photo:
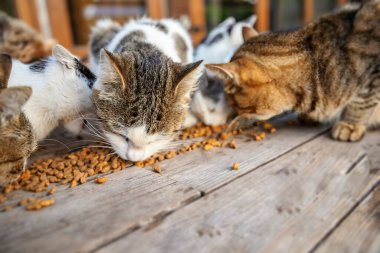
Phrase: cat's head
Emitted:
{"points": [[73, 78], [142, 99], [209, 103], [222, 41], [76, 74], [16, 135], [251, 86], [24, 43]]}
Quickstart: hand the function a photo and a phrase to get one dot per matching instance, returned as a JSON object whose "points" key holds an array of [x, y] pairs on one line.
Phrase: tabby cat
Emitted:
{"points": [[17, 140], [327, 70], [21, 41], [145, 82]]}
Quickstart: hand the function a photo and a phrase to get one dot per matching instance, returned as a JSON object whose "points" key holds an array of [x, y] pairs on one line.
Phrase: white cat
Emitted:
{"points": [[61, 90], [222, 41]]}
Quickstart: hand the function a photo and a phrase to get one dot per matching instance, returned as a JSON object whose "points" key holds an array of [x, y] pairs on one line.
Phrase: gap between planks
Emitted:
{"points": [[345, 217], [161, 217]]}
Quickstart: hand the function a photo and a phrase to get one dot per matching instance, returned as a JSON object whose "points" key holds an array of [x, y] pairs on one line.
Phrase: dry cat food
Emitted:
{"points": [[75, 168], [235, 166], [157, 168], [101, 180]]}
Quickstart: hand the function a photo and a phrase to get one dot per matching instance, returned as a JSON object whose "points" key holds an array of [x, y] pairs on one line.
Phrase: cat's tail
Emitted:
{"points": [[101, 35]]}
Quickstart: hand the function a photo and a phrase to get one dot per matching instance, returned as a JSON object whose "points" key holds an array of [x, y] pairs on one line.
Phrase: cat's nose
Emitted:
{"points": [[136, 154]]}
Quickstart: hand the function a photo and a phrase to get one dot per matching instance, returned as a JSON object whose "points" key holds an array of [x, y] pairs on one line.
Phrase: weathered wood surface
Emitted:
{"points": [[85, 217], [360, 232], [287, 205], [207, 171], [293, 192]]}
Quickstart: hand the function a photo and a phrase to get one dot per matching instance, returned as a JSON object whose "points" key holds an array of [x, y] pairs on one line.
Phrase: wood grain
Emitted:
{"points": [[207, 171], [360, 232], [263, 15], [290, 203], [89, 215]]}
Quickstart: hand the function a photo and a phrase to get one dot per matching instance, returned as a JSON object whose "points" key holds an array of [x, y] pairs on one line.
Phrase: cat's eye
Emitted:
{"points": [[126, 139]]}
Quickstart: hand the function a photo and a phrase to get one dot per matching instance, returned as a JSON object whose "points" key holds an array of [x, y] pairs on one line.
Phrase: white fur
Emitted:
{"points": [[222, 50], [205, 109], [209, 112], [139, 145], [154, 36], [58, 95]]}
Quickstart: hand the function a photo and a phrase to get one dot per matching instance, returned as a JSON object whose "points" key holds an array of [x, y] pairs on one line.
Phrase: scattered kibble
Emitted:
{"points": [[157, 168], [235, 166], [233, 144], [7, 208], [2, 198], [207, 147], [78, 167], [101, 180]]}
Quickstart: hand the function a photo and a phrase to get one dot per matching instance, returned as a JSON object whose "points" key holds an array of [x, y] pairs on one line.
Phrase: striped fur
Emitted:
{"points": [[21, 41], [328, 70], [16, 133], [143, 91]]}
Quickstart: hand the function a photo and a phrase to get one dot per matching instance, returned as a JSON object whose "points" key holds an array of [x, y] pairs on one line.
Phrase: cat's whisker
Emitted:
{"points": [[60, 142]]}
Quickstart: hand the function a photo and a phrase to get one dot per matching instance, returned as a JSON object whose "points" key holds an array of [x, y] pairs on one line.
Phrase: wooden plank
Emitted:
{"points": [[360, 232], [90, 215], [263, 15], [59, 18], [156, 9], [290, 203], [27, 11], [308, 11], [207, 171], [198, 20], [342, 2]]}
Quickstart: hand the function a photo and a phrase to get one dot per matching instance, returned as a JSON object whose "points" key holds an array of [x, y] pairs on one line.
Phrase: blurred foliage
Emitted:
{"points": [[219, 10], [8, 7]]}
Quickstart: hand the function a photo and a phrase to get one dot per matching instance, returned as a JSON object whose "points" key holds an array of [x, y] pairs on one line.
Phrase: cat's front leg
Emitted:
{"points": [[357, 114]]}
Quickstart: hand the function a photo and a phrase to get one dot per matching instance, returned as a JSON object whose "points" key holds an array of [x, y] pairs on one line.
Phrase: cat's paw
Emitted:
{"points": [[343, 131]]}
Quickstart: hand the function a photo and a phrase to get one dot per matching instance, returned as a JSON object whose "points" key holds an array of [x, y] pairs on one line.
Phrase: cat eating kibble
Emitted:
{"points": [[17, 140], [145, 80], [328, 70]]}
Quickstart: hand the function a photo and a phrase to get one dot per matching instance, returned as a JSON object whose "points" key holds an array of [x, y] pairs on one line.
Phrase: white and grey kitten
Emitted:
{"points": [[61, 90], [209, 104]]}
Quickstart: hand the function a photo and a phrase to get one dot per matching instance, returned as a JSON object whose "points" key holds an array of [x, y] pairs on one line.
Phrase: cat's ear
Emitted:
{"points": [[11, 102], [110, 68], [188, 76], [5, 69], [249, 32], [63, 56], [224, 71]]}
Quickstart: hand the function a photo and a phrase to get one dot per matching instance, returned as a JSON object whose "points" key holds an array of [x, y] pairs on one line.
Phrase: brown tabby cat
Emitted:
{"points": [[21, 41], [17, 140], [329, 69]]}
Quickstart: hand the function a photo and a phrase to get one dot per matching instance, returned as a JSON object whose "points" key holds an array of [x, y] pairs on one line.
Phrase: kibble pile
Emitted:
{"points": [[77, 167]]}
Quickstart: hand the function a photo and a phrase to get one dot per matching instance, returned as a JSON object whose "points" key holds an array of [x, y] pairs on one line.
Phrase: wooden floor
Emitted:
{"points": [[296, 191]]}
